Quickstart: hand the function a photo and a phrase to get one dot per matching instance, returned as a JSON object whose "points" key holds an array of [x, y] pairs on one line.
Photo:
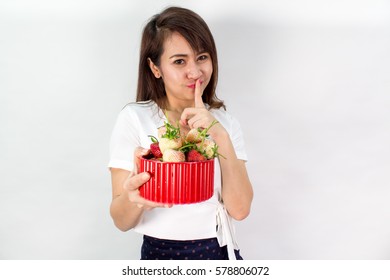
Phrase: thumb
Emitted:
{"points": [[134, 181]]}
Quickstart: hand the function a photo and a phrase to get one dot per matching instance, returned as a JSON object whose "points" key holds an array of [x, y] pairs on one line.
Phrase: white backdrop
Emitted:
{"points": [[308, 80]]}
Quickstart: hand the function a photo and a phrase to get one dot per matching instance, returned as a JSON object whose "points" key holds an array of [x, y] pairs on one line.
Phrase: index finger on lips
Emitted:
{"points": [[198, 95]]}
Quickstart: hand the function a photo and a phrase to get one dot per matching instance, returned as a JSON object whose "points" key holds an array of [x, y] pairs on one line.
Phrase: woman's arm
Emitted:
{"points": [[237, 192], [127, 205], [125, 213]]}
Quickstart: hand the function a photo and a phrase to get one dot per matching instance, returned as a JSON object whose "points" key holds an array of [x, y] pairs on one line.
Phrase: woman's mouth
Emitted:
{"points": [[192, 86]]}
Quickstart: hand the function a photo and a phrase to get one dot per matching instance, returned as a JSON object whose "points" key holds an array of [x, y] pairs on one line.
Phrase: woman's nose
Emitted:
{"points": [[194, 71]]}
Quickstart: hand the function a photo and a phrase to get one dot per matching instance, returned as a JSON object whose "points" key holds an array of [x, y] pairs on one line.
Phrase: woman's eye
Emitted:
{"points": [[179, 61], [203, 57]]}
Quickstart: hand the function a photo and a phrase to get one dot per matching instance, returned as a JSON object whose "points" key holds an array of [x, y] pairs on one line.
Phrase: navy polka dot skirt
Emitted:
{"points": [[201, 249]]}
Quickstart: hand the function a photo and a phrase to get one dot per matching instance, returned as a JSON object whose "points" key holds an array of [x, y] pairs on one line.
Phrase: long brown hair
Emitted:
{"points": [[195, 30]]}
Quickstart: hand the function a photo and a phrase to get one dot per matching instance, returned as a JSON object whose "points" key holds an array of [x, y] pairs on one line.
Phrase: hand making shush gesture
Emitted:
{"points": [[198, 116]]}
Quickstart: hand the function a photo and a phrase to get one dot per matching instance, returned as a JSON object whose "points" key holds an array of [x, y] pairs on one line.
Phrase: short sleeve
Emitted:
{"points": [[124, 139]]}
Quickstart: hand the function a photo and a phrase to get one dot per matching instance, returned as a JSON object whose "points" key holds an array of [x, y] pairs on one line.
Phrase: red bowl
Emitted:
{"points": [[178, 182]]}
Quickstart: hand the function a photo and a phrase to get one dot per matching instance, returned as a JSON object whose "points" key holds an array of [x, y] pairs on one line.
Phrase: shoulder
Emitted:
{"points": [[223, 116], [229, 121], [140, 106], [145, 113], [144, 108]]}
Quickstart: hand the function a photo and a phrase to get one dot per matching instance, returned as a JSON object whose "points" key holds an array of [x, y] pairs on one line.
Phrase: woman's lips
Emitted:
{"points": [[192, 86]]}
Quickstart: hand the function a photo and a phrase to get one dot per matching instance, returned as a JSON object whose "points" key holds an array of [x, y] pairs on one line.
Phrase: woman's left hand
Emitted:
{"points": [[197, 116]]}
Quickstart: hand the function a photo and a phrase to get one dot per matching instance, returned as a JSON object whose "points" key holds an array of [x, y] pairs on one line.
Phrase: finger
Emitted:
{"points": [[186, 115], [134, 181], [198, 95], [139, 152], [143, 203], [192, 123]]}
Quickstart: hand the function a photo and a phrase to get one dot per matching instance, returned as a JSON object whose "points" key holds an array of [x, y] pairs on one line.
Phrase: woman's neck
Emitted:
{"points": [[177, 107]]}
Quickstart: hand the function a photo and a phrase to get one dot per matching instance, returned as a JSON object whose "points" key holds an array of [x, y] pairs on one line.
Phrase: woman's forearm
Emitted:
{"points": [[124, 213], [237, 193], [127, 205]]}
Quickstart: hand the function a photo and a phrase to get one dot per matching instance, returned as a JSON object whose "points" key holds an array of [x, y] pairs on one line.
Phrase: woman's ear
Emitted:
{"points": [[154, 69]]}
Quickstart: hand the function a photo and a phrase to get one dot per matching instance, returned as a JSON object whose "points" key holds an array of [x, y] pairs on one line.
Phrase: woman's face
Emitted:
{"points": [[180, 67]]}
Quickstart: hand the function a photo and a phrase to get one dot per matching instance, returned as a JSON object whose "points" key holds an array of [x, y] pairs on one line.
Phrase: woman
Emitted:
{"points": [[178, 72]]}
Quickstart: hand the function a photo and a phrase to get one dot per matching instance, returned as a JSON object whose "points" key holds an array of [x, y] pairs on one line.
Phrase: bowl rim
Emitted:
{"points": [[181, 162]]}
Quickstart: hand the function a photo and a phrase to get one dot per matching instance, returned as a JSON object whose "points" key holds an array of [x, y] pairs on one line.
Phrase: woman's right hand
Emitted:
{"points": [[136, 180], [131, 186], [127, 204]]}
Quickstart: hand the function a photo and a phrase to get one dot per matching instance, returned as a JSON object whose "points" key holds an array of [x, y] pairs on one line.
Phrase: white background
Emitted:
{"points": [[308, 80]]}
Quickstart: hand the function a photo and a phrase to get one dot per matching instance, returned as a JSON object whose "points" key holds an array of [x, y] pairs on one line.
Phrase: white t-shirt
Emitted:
{"points": [[181, 222]]}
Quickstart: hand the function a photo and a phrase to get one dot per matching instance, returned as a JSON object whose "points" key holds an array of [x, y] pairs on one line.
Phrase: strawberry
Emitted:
{"points": [[171, 155], [154, 147], [208, 147], [170, 137], [166, 144], [173, 146], [194, 135], [194, 155]]}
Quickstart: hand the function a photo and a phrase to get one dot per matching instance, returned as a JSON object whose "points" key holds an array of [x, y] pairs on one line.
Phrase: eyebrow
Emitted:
{"points": [[178, 55], [186, 55]]}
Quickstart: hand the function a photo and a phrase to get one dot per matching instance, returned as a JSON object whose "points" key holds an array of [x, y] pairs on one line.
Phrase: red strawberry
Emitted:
{"points": [[155, 148], [194, 155]]}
